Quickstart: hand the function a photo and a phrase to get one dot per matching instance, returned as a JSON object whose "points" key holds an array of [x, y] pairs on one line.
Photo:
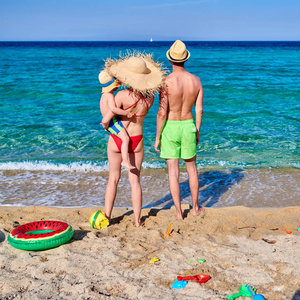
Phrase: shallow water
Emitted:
{"points": [[51, 140], [218, 188]]}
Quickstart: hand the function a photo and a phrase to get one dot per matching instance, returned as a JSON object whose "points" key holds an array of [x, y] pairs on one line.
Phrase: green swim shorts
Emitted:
{"points": [[178, 139]]}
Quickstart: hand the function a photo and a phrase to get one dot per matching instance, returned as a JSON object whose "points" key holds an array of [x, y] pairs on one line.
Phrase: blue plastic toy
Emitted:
{"points": [[255, 296], [179, 284]]}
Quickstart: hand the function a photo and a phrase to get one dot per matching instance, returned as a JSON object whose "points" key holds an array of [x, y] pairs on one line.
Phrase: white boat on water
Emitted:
{"points": [[151, 40]]}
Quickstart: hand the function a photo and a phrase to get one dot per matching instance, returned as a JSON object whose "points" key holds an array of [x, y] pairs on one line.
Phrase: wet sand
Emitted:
{"points": [[218, 188], [240, 245]]}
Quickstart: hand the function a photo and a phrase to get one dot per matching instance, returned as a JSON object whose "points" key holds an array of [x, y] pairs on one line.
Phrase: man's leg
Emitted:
{"points": [[194, 184], [173, 170]]}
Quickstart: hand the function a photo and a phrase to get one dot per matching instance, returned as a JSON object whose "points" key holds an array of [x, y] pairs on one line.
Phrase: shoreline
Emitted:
{"points": [[94, 166], [240, 245], [218, 188]]}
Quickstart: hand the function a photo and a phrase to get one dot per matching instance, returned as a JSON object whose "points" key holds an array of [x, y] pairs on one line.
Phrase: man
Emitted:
{"points": [[176, 134]]}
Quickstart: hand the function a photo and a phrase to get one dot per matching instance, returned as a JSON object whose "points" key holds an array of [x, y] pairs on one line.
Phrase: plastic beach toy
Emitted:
{"points": [[153, 260], [201, 261], [255, 296], [98, 220], [179, 284], [169, 231], [243, 292], [200, 278], [40, 235]]}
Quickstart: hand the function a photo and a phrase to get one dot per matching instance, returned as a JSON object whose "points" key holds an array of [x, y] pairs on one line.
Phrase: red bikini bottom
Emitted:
{"points": [[134, 141]]}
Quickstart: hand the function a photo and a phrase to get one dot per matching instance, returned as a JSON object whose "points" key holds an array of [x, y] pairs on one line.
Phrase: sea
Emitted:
{"points": [[53, 150]]}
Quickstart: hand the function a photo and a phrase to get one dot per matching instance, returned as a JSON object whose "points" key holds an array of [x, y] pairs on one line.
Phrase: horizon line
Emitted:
{"points": [[148, 41]]}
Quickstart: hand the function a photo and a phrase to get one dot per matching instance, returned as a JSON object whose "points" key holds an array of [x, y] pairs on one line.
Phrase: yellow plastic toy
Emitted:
{"points": [[153, 260], [98, 220]]}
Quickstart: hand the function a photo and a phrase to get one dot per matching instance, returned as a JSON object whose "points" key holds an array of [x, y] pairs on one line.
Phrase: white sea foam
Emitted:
{"points": [[82, 167], [154, 165], [88, 166], [296, 165], [220, 164]]}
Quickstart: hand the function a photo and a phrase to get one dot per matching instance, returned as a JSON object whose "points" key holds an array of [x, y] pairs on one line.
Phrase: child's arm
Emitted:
{"points": [[117, 110], [106, 118], [113, 111]]}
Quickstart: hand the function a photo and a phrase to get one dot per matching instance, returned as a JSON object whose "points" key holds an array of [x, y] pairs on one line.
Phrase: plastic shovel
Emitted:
{"points": [[200, 278]]}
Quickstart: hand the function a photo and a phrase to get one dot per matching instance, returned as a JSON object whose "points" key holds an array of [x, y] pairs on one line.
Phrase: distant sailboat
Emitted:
{"points": [[151, 40]]}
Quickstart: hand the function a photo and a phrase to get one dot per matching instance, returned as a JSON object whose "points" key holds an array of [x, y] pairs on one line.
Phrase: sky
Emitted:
{"points": [[137, 20]]}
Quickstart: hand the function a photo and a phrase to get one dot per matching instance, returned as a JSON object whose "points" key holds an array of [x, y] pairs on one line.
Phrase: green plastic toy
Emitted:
{"points": [[243, 292], [201, 261]]}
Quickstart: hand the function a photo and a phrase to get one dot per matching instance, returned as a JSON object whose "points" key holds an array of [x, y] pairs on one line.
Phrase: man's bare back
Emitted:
{"points": [[183, 89]]}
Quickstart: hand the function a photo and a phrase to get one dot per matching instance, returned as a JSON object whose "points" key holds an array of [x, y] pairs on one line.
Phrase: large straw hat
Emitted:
{"points": [[178, 53], [108, 82], [138, 71]]}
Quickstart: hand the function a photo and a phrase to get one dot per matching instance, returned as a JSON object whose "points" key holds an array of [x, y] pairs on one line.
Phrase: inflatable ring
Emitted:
{"points": [[40, 235]]}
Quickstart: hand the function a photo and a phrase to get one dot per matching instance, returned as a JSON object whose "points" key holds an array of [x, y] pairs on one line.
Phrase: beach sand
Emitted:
{"points": [[240, 245]]}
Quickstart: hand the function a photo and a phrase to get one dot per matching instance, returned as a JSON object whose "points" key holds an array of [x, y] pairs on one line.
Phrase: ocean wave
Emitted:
{"points": [[222, 164], [87, 166], [296, 165], [83, 167], [154, 165]]}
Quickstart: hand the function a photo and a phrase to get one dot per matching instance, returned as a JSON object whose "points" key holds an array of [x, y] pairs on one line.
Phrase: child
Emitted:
{"points": [[110, 113]]}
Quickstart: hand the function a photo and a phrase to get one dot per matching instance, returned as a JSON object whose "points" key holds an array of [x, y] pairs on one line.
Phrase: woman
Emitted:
{"points": [[144, 77]]}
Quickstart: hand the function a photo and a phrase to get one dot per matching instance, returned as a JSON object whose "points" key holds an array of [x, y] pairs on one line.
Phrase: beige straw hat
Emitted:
{"points": [[108, 82], [138, 71], [178, 53]]}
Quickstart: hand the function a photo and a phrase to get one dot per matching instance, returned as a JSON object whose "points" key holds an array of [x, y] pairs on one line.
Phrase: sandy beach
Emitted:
{"points": [[240, 245]]}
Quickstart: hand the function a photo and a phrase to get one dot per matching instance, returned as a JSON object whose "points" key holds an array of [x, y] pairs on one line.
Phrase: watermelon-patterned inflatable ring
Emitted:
{"points": [[40, 235]]}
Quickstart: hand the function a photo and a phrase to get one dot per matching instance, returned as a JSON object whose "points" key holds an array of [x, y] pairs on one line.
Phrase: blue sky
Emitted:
{"points": [[133, 20]]}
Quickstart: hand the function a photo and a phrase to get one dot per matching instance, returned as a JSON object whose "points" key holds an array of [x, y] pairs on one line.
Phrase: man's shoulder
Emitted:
{"points": [[193, 76], [179, 76], [170, 76]]}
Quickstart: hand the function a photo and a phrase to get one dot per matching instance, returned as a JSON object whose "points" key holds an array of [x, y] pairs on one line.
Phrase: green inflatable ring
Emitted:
{"points": [[40, 235]]}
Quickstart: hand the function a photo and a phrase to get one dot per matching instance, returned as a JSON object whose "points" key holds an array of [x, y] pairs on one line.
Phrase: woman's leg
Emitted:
{"points": [[136, 159], [114, 160]]}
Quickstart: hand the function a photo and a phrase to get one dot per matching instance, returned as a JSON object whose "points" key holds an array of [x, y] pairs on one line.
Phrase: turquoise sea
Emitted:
{"points": [[51, 140]]}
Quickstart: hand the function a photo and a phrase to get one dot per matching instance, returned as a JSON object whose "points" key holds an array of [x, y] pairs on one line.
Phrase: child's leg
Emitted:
{"points": [[123, 135]]}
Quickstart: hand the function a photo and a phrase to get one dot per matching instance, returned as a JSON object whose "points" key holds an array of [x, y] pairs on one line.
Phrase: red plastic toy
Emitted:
{"points": [[200, 278]]}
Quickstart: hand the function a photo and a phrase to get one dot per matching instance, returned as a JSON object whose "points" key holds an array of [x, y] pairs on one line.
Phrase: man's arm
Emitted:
{"points": [[161, 116], [199, 111]]}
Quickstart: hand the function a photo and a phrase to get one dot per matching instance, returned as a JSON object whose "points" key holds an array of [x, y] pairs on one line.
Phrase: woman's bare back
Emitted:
{"points": [[138, 105]]}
